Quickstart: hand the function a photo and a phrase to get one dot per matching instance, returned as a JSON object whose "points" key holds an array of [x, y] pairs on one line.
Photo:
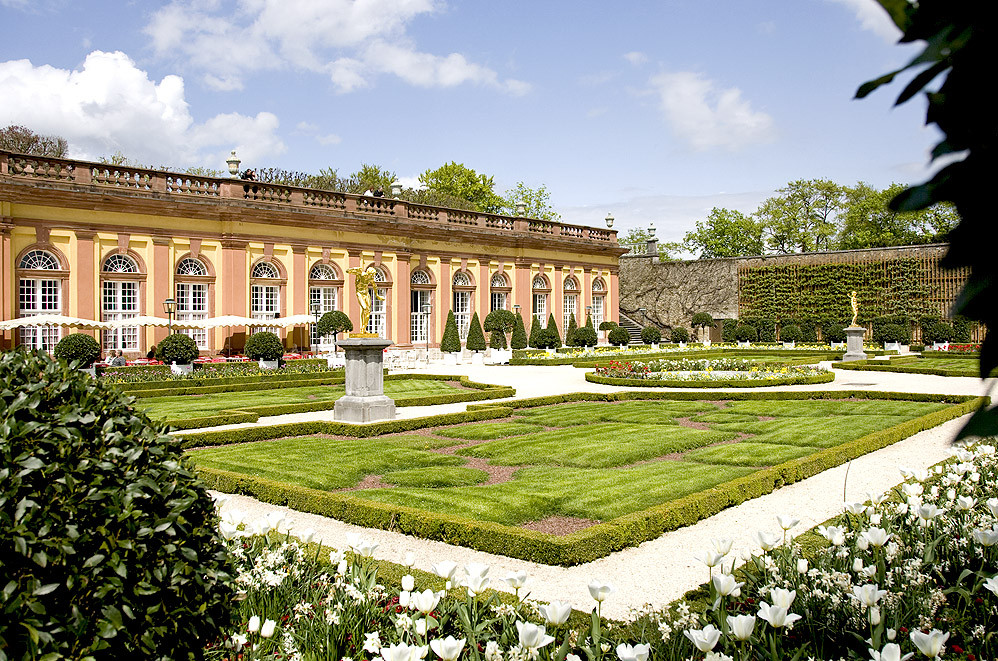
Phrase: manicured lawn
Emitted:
{"points": [[196, 406], [589, 460]]}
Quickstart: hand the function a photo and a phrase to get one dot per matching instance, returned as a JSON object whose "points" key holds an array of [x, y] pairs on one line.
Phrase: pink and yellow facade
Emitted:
{"points": [[109, 243]]}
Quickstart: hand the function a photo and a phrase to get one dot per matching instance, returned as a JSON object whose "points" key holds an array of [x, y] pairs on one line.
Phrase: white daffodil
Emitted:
{"points": [[372, 642], [930, 644], [449, 648], [556, 613], [704, 639], [633, 653], [741, 626]]}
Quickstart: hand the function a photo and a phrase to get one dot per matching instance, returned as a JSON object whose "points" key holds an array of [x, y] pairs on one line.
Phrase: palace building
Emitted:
{"points": [[105, 243]]}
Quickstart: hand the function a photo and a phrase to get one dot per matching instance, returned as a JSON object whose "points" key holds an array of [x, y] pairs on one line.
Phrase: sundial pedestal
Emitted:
{"points": [[365, 399]]}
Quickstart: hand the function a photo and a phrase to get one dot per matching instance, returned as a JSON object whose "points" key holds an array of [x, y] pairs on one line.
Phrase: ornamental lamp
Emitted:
{"points": [[609, 221], [233, 163]]}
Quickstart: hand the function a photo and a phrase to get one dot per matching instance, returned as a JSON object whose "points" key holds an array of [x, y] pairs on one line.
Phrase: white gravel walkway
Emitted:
{"points": [[660, 570]]}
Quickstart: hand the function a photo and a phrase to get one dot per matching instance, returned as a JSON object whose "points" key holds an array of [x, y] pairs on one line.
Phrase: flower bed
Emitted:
{"points": [[706, 373], [908, 572]]}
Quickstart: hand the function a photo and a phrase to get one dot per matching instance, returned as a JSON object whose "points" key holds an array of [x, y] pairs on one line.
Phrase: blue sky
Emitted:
{"points": [[652, 111]]}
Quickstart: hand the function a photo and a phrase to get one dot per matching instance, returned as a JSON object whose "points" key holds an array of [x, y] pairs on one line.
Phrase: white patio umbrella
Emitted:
{"points": [[294, 320], [234, 320], [140, 320], [52, 320]]}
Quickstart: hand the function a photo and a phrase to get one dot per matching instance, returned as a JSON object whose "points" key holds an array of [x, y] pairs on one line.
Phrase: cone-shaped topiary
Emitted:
{"points": [[476, 338], [264, 346], [497, 339], [79, 348], [553, 335], [518, 340], [333, 322], [177, 348], [619, 336], [112, 550], [680, 334], [589, 321], [451, 341], [536, 341], [570, 332], [651, 335]]}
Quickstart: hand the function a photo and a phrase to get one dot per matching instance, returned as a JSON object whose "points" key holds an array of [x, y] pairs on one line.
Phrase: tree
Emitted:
{"points": [[25, 141], [802, 217], [552, 334], [451, 340], [725, 233], [462, 182], [701, 321], [586, 336], [570, 332], [476, 338], [960, 43], [334, 322], [535, 332], [498, 323], [535, 200], [868, 221], [518, 340]]}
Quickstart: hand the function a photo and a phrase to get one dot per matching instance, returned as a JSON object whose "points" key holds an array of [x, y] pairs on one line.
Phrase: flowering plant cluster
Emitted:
{"points": [[211, 371], [964, 348], [705, 369], [905, 573], [622, 369]]}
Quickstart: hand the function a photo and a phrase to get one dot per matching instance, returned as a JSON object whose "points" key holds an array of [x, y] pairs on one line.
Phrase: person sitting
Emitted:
{"points": [[118, 360], [378, 192], [151, 354], [249, 174]]}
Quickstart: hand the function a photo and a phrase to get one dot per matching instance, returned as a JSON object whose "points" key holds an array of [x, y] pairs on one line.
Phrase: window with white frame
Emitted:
{"points": [[265, 300], [540, 300], [499, 298], [119, 301], [321, 295], [462, 304], [419, 318], [39, 296], [192, 299], [599, 297], [570, 301], [420, 277], [377, 322]]}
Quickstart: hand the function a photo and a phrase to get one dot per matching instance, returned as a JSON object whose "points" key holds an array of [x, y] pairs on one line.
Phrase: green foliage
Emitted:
{"points": [[651, 335], [502, 320], [518, 340], [551, 334], [79, 348], [893, 333], [333, 322], [728, 330], [497, 339], [801, 218], [607, 325], [476, 338], [938, 332], [536, 340], [23, 140], [700, 322], [108, 544], [264, 345], [790, 333], [962, 329], [680, 334], [536, 201], [177, 348], [868, 221], [586, 336], [451, 340], [618, 337], [725, 233], [458, 181], [570, 332], [746, 333], [833, 332]]}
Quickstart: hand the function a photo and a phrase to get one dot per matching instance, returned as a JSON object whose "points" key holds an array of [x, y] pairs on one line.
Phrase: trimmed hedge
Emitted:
{"points": [[893, 366], [599, 540], [228, 384], [733, 383]]}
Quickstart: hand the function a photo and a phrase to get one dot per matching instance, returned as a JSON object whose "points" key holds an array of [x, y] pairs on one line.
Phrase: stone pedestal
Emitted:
{"points": [[854, 344], [365, 400]]}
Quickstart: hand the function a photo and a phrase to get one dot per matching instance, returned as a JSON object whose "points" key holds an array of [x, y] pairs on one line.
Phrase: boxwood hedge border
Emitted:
{"points": [[901, 365], [825, 377], [592, 543]]}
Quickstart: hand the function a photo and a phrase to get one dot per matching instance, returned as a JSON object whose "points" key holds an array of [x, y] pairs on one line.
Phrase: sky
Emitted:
{"points": [[653, 111]]}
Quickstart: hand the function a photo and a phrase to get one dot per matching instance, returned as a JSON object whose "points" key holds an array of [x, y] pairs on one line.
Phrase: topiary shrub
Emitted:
{"points": [[893, 333], [264, 345], [619, 337], [834, 333], [177, 348], [497, 339], [938, 332], [728, 327], [552, 333], [702, 321], [108, 542], [78, 348], [767, 333], [570, 332], [962, 329], [746, 333], [476, 338], [790, 333], [497, 324], [518, 340], [680, 334], [607, 325], [651, 335], [451, 340], [586, 337], [535, 333], [334, 322]]}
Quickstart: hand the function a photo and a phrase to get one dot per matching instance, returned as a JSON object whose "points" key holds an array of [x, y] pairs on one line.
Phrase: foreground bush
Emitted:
{"points": [[264, 345], [79, 348], [618, 336], [108, 546], [651, 335], [177, 348]]}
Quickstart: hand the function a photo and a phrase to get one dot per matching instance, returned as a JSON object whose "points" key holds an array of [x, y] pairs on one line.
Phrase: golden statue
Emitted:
{"points": [[366, 280], [855, 307]]}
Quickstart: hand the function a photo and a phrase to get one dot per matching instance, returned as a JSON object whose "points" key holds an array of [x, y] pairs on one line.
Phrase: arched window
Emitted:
{"points": [[420, 300], [499, 296], [265, 299], [463, 289], [540, 282], [119, 301], [598, 285], [192, 296], [540, 299], [323, 292], [461, 279], [599, 302], [378, 321], [570, 301], [420, 277], [39, 294]]}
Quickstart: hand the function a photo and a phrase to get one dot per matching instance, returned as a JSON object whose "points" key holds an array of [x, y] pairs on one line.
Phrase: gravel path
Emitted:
{"points": [[663, 569]]}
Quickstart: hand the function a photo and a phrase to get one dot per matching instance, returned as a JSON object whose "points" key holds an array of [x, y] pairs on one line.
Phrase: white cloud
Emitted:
{"points": [[110, 105], [636, 58], [707, 117], [410, 182], [328, 139], [872, 17], [351, 41]]}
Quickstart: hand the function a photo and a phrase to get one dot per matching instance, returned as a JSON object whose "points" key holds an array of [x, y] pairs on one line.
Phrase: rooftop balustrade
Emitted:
{"points": [[176, 185]]}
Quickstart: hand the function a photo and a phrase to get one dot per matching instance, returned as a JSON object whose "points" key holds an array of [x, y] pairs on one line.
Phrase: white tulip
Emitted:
{"points": [[711, 558], [801, 565], [783, 598], [726, 586], [556, 613], [420, 626], [516, 580], [992, 504], [409, 560], [268, 629], [965, 503], [600, 590], [868, 594], [228, 530], [834, 534], [425, 601], [992, 584], [776, 616], [930, 644], [532, 636], [704, 639], [876, 536], [786, 522], [445, 569], [448, 649], [986, 537], [307, 535], [476, 584], [408, 583], [476, 569], [855, 508], [891, 652], [636, 653], [402, 652], [766, 540], [254, 624], [723, 545], [929, 512], [741, 626]]}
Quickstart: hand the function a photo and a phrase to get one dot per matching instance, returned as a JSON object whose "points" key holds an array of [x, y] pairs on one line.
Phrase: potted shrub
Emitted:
{"points": [[745, 334], [790, 335], [619, 337], [78, 348], [518, 340], [178, 351], [651, 335], [835, 334], [497, 324], [476, 340], [607, 326], [680, 336], [702, 321], [450, 343], [266, 348], [334, 322]]}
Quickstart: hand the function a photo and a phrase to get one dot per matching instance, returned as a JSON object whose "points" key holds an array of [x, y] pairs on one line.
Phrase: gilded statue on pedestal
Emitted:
{"points": [[855, 307], [366, 280]]}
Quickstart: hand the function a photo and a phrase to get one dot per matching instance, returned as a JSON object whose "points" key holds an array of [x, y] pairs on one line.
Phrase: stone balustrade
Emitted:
{"points": [[159, 182]]}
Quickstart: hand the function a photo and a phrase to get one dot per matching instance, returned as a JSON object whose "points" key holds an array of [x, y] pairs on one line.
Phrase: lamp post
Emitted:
{"points": [[426, 324], [170, 308], [233, 163], [316, 309]]}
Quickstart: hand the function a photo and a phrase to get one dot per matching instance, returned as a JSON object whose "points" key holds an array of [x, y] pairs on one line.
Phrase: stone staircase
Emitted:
{"points": [[632, 327]]}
